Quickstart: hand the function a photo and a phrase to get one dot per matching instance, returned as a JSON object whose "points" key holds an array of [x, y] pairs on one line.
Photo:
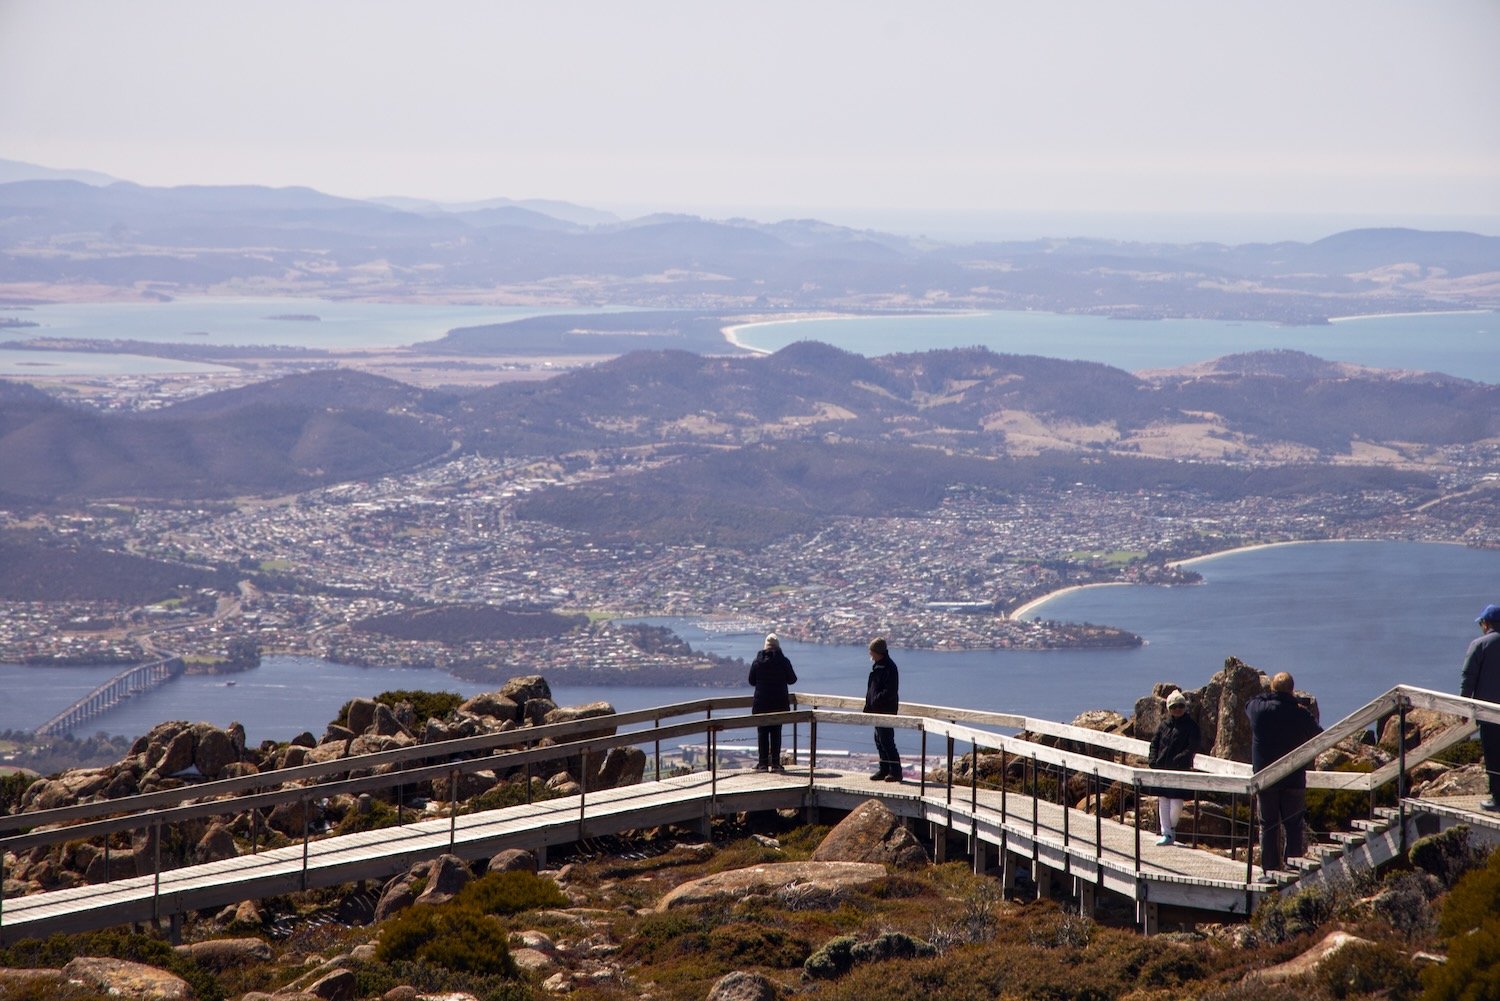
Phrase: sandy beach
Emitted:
{"points": [[731, 333], [1423, 312], [1030, 607]]}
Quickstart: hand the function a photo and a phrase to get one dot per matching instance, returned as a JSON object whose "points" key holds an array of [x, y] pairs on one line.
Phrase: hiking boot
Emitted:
{"points": [[1489, 805], [1166, 839], [878, 776]]}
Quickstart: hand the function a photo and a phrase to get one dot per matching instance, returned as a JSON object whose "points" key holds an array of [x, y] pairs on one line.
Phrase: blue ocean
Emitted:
{"points": [[1347, 619]]}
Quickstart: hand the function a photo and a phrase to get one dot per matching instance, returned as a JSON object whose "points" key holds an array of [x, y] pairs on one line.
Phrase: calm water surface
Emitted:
{"points": [[1349, 620], [1459, 344]]}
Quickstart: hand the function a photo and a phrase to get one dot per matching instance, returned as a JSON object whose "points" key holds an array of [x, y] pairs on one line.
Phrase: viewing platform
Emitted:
{"points": [[1078, 850]]}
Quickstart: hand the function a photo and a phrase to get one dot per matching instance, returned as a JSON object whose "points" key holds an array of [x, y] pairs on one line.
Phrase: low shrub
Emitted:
{"points": [[661, 936], [1472, 972], [1404, 902], [511, 893], [1363, 968], [1448, 855], [1468, 752], [375, 979], [380, 816], [1286, 916], [1474, 899], [453, 936], [740, 945]]}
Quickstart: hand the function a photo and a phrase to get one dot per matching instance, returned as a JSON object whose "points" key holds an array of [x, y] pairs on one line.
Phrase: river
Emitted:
{"points": [[1348, 619]]}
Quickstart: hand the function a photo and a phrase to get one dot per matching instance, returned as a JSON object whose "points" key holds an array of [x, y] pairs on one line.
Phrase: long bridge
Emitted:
{"points": [[1077, 850], [131, 681]]}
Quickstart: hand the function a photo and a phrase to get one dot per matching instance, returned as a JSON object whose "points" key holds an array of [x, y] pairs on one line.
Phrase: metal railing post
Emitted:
{"points": [[1035, 825], [922, 772], [452, 808], [583, 789], [1249, 836], [950, 769], [1136, 799], [306, 823], [812, 751], [1063, 802], [106, 862], [1098, 823], [1401, 770], [655, 725], [1004, 782], [156, 874], [974, 782]]}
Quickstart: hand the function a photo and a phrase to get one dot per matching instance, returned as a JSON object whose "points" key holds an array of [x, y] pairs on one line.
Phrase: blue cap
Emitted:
{"points": [[1490, 614]]}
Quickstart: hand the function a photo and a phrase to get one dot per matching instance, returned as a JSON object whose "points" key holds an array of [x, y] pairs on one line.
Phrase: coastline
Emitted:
{"points": [[731, 333], [1030, 607], [1423, 312]]}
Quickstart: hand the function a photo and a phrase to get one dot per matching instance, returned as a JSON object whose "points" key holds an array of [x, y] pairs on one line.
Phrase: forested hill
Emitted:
{"points": [[929, 417]]}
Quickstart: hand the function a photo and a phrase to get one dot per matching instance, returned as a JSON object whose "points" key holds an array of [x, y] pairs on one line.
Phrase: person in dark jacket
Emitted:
{"points": [[1279, 724], [1481, 680], [882, 695], [1172, 747], [770, 674]]}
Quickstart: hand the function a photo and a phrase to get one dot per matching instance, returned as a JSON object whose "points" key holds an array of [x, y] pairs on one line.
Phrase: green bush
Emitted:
{"points": [[12, 787], [511, 893], [1333, 809], [425, 705], [1472, 972], [742, 944], [834, 959], [1287, 916], [661, 936], [1473, 900], [380, 816], [1448, 855], [374, 980], [453, 936], [1467, 753]]}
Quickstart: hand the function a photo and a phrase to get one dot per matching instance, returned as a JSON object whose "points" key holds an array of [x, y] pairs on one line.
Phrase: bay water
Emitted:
{"points": [[1348, 619]]}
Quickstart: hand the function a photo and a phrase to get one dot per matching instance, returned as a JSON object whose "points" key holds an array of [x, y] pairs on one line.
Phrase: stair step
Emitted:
{"points": [[1388, 812], [1304, 864], [1348, 840], [1371, 826]]}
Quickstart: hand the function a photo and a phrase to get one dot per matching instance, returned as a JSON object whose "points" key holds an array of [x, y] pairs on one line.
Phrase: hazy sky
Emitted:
{"points": [[1355, 107]]}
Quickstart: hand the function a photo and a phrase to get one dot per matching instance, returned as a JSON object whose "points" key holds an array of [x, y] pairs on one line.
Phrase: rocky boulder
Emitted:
{"points": [[493, 705], [872, 833], [361, 715], [124, 979], [513, 860], [739, 986], [819, 877], [523, 689]]}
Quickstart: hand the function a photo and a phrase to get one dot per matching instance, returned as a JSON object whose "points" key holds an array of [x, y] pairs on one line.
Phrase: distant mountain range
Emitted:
{"points": [[68, 231], [770, 444]]}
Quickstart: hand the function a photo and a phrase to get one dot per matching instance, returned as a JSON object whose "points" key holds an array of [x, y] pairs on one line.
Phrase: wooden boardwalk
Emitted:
{"points": [[1168, 875], [1065, 850]]}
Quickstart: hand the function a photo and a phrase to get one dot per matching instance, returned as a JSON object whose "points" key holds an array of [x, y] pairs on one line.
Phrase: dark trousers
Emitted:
{"points": [[1489, 741], [768, 745], [885, 746], [1281, 817]]}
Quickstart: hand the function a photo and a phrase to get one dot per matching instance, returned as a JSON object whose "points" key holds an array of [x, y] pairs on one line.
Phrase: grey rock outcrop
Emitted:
{"points": [[735, 884], [125, 979], [872, 833], [738, 986]]}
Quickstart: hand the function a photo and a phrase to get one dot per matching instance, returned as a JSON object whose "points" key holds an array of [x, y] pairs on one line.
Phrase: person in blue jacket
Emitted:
{"points": [[770, 674], [1481, 680], [883, 695], [1279, 724]]}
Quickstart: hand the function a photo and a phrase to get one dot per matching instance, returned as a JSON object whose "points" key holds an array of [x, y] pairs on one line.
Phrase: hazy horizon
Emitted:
{"points": [[1170, 119]]}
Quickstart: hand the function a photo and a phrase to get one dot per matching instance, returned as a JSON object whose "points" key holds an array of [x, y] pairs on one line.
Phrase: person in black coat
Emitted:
{"points": [[1279, 724], [1481, 680], [770, 674], [882, 695], [1172, 746]]}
